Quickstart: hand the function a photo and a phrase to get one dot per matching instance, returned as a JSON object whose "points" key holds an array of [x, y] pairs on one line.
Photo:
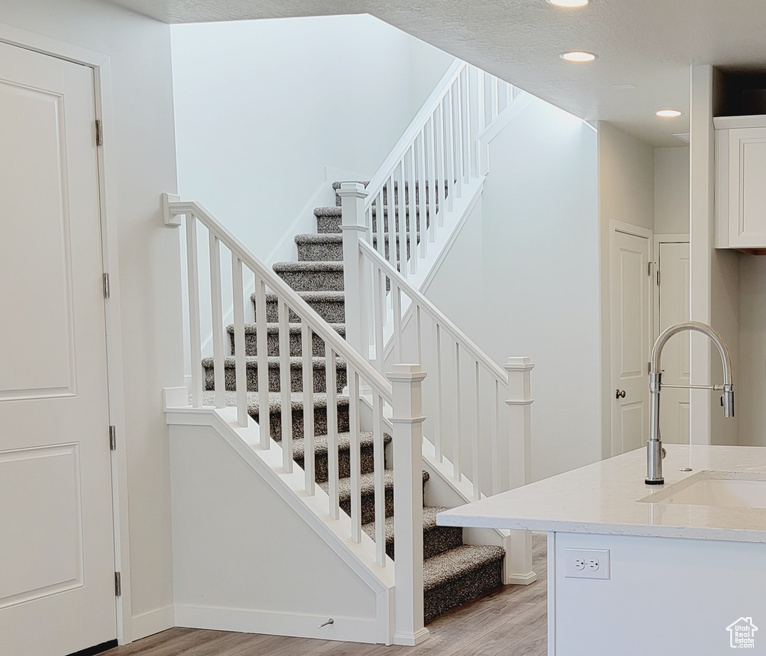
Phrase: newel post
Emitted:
{"points": [[518, 567], [407, 421], [352, 195]]}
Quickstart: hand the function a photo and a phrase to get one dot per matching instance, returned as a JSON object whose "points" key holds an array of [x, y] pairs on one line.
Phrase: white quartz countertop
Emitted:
{"points": [[605, 498]]}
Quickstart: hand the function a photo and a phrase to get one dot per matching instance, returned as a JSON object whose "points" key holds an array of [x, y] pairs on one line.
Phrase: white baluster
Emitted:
{"points": [[262, 351], [466, 125], [307, 365], [494, 443], [407, 421], [380, 316], [519, 569], [356, 468], [240, 360], [285, 382], [421, 194], [418, 332], [413, 209], [440, 164], [439, 399], [457, 473], [195, 346], [379, 458], [217, 317], [402, 219], [430, 217], [493, 100], [449, 144], [391, 206], [475, 436], [380, 220], [352, 203], [458, 135], [332, 432], [397, 336]]}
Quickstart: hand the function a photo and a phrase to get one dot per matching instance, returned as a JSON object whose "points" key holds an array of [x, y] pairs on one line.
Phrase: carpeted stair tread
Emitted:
{"points": [[275, 400], [274, 361], [273, 328], [315, 296], [429, 521], [303, 266], [344, 444], [458, 562], [367, 484]]}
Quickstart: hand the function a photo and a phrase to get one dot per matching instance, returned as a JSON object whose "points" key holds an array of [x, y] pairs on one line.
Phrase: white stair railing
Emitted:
{"points": [[428, 169], [399, 399]]}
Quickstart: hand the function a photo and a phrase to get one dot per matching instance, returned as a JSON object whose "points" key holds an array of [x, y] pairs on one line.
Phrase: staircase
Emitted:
{"points": [[453, 573]]}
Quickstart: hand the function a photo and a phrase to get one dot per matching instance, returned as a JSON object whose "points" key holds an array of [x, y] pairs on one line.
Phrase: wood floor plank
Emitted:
{"points": [[511, 621]]}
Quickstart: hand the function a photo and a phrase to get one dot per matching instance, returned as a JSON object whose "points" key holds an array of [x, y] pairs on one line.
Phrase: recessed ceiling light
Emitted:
{"points": [[668, 113], [577, 56], [569, 3]]}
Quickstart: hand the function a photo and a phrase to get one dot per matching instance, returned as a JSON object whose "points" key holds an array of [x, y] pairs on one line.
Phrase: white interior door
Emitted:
{"points": [[56, 529], [630, 335], [673, 307]]}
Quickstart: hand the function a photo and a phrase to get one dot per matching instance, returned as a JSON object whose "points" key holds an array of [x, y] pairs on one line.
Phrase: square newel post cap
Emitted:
{"points": [[516, 364], [406, 372], [352, 190]]}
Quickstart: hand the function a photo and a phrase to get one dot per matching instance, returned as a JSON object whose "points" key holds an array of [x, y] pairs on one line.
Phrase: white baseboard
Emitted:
{"points": [[154, 621], [410, 639], [521, 579], [245, 620]]}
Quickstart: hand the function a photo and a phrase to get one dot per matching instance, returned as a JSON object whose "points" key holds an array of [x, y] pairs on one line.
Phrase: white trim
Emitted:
{"points": [[551, 593], [153, 621], [298, 625], [630, 229], [113, 324]]}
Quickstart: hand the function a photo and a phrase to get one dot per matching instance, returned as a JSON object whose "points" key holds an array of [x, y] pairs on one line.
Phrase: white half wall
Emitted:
{"points": [[139, 151], [269, 111], [244, 560], [522, 277]]}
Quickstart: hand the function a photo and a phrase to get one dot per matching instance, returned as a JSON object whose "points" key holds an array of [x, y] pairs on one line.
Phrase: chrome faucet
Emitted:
{"points": [[654, 451]]}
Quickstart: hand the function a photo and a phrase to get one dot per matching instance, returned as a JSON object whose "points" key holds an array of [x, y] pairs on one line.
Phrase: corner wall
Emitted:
{"points": [[265, 107], [140, 155], [522, 277]]}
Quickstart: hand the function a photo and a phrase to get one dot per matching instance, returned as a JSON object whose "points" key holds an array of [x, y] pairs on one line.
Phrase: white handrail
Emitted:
{"points": [[466, 343], [372, 377], [415, 127]]}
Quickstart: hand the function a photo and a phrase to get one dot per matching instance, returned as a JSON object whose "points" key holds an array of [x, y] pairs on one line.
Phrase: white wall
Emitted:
{"points": [[626, 193], [671, 190], [140, 159], [522, 277], [264, 107]]}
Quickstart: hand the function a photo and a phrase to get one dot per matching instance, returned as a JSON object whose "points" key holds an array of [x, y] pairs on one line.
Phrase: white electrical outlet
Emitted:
{"points": [[587, 564]]}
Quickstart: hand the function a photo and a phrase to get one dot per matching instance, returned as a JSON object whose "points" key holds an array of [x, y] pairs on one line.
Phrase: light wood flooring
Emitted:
{"points": [[511, 622]]}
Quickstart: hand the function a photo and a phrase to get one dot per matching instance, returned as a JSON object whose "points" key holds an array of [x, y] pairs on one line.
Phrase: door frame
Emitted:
{"points": [[659, 239], [637, 231], [113, 325]]}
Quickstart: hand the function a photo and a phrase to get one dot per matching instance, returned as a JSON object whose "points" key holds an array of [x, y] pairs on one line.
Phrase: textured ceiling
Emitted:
{"points": [[644, 47]]}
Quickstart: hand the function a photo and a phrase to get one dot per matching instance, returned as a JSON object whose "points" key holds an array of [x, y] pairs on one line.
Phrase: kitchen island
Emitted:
{"points": [[638, 570]]}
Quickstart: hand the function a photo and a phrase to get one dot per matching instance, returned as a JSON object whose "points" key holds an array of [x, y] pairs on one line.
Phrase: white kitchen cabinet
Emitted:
{"points": [[741, 183]]}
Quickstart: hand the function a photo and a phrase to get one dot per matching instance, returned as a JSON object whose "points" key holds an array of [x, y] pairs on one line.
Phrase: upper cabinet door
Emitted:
{"points": [[741, 188]]}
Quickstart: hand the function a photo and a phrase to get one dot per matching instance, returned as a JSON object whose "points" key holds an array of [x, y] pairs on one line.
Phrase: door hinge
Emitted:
{"points": [[648, 268], [99, 132], [107, 288], [658, 276], [117, 584], [112, 438], [648, 367]]}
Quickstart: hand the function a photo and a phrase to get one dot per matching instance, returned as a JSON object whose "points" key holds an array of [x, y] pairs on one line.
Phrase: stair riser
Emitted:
{"points": [[332, 311], [320, 422], [321, 471], [436, 540], [330, 224], [461, 590], [320, 252], [296, 378], [368, 505], [407, 193], [316, 281], [272, 344]]}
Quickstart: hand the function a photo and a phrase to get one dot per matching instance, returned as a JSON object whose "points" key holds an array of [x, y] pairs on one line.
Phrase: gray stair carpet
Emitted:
{"points": [[453, 572]]}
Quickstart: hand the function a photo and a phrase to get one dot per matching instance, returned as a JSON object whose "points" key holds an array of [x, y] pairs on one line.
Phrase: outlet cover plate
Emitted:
{"points": [[587, 556]]}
